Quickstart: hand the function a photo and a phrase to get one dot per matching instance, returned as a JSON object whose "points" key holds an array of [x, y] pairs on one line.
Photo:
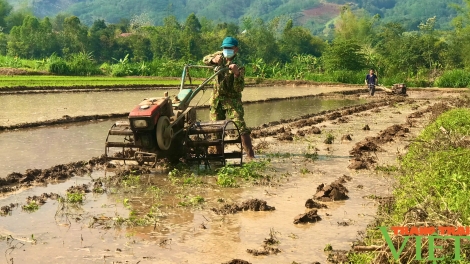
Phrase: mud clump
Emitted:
{"points": [[362, 162], [263, 252], [311, 204], [338, 256], [344, 179], [366, 127], [248, 205], [305, 123], [287, 136], [333, 116], [41, 199], [78, 189], [7, 209], [390, 133], [346, 137], [57, 172], [309, 217], [312, 130], [366, 145], [237, 261], [334, 191]]}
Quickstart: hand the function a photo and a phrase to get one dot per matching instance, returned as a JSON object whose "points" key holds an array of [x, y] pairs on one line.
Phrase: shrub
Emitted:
{"points": [[453, 79]]}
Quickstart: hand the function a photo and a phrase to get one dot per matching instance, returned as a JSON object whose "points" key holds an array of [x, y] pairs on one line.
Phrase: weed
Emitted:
{"points": [[192, 201], [293, 236], [272, 240], [226, 176], [126, 204], [155, 191], [311, 156], [226, 180], [328, 247], [184, 177], [304, 171], [31, 207], [330, 138], [131, 180], [75, 198]]}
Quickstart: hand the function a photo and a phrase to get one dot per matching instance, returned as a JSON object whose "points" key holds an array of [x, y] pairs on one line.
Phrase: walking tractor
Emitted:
{"points": [[162, 128]]}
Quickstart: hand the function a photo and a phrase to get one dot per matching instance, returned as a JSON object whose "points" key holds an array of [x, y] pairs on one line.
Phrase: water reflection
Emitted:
{"points": [[24, 108], [42, 148]]}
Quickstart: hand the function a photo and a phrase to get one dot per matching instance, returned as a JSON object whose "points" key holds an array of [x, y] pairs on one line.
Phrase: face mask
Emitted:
{"points": [[228, 53]]}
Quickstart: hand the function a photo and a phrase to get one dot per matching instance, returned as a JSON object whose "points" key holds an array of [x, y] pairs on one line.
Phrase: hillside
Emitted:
{"points": [[313, 14]]}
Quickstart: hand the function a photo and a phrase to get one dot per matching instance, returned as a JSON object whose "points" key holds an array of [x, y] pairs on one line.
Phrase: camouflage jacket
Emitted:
{"points": [[227, 85]]}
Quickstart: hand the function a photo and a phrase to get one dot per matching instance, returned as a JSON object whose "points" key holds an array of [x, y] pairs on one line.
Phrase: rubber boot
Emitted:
{"points": [[247, 146]]}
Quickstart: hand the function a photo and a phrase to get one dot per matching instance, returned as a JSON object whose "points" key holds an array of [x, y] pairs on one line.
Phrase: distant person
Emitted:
{"points": [[371, 81], [226, 99]]}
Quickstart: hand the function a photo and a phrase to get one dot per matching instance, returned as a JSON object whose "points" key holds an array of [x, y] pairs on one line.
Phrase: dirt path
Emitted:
{"points": [[319, 194]]}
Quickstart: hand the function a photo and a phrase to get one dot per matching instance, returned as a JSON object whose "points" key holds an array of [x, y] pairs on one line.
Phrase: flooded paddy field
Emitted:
{"points": [[90, 214]]}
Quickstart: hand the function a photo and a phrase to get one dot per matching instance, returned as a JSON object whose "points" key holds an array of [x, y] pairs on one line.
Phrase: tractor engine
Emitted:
{"points": [[147, 118]]}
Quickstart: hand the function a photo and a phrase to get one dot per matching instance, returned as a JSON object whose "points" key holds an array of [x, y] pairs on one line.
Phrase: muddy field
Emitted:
{"points": [[319, 189]]}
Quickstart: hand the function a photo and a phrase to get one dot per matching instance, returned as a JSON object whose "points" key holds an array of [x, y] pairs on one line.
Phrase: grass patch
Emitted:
{"points": [[185, 177], [192, 201], [227, 176], [75, 198], [432, 188], [31, 207], [456, 78], [74, 81]]}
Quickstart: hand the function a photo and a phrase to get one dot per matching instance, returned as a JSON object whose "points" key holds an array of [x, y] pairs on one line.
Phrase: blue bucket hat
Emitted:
{"points": [[229, 42]]}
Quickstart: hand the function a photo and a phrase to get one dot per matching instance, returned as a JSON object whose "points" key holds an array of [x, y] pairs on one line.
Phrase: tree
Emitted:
{"points": [[359, 28], [191, 38], [344, 55], [259, 42], [298, 40], [5, 9], [74, 37]]}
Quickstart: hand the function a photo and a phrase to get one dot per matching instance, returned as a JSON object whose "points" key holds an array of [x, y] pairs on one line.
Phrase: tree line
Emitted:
{"points": [[272, 49]]}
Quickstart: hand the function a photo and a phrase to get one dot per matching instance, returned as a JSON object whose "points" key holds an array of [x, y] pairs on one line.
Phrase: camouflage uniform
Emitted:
{"points": [[226, 98]]}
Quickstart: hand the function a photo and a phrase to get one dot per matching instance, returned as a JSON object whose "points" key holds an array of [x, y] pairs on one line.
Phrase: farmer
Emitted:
{"points": [[371, 81], [226, 99]]}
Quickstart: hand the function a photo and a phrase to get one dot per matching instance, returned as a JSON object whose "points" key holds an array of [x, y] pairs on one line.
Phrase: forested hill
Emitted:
{"points": [[313, 14]]}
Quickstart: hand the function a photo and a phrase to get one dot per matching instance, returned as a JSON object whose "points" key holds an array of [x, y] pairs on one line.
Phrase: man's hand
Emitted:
{"points": [[234, 69], [216, 59]]}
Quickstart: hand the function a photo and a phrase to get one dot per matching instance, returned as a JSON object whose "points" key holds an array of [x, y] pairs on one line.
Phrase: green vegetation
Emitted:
{"points": [[69, 81], [328, 247], [439, 162], [75, 198], [139, 13], [227, 176], [185, 177], [423, 50], [433, 185], [191, 201], [31, 207], [330, 138]]}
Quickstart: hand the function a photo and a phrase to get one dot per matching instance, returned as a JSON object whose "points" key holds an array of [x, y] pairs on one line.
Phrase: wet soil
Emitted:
{"points": [[305, 179], [51, 110], [249, 205]]}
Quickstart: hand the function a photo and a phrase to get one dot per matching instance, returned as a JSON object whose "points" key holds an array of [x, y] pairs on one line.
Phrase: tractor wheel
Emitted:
{"points": [[164, 133]]}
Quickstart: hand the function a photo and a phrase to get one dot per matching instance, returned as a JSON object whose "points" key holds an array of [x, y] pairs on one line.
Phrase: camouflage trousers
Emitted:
{"points": [[231, 108]]}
